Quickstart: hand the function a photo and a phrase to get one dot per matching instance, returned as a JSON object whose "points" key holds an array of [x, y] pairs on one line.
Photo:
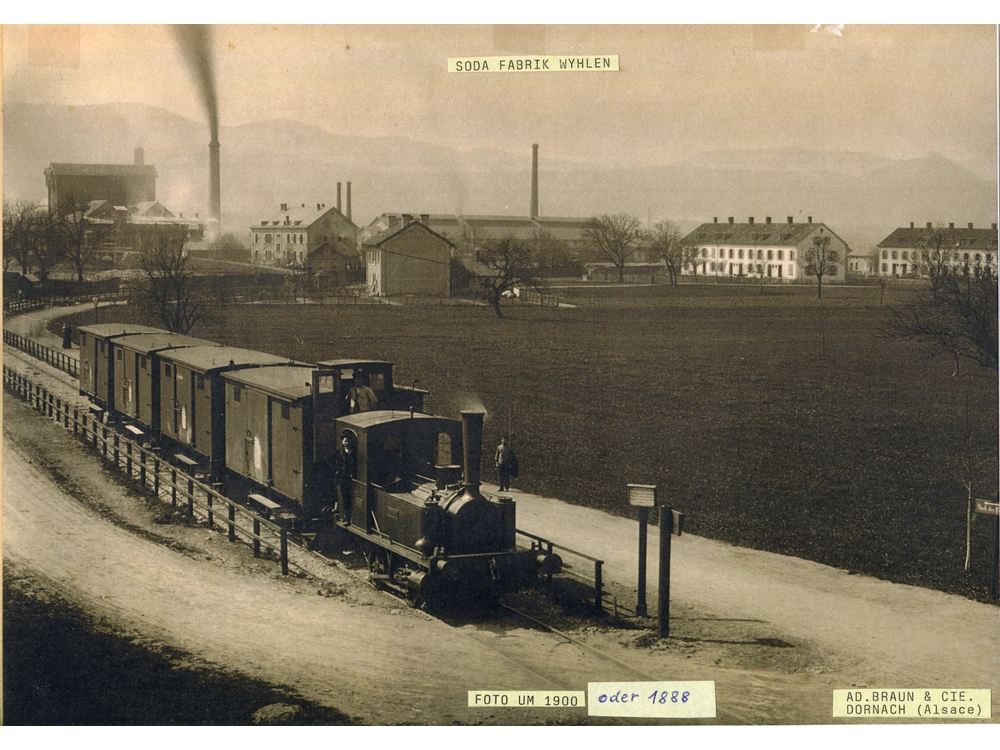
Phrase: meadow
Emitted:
{"points": [[771, 419]]}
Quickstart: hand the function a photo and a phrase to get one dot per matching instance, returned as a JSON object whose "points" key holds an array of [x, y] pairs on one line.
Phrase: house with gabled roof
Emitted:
{"points": [[769, 250], [71, 186], [908, 250], [287, 236], [408, 258]]}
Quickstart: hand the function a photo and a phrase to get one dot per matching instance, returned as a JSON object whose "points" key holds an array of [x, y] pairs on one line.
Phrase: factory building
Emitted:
{"points": [[71, 186]]}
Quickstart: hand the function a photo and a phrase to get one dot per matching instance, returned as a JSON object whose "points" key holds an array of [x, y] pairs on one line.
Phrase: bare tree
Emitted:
{"points": [[548, 251], [938, 253], [511, 264], [167, 291], [79, 236], [21, 224], [614, 237], [819, 260], [229, 247], [958, 317], [665, 241]]}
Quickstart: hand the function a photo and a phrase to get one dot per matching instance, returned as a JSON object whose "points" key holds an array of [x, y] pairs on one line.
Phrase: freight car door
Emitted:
{"points": [[286, 454]]}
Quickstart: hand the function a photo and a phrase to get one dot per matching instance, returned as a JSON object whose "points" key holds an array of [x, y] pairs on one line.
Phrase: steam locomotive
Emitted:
{"points": [[270, 431]]}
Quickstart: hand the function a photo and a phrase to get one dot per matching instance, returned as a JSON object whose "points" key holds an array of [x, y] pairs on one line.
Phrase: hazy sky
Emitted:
{"points": [[895, 90]]}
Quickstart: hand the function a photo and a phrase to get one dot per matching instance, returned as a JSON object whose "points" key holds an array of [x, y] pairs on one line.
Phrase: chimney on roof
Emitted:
{"points": [[139, 156], [303, 205], [994, 226], [970, 225], [425, 219], [731, 219], [319, 206], [534, 180], [715, 219], [348, 214], [951, 225], [407, 219], [339, 205], [791, 219], [767, 219], [288, 219], [930, 225], [911, 225], [810, 219], [751, 219], [284, 206]]}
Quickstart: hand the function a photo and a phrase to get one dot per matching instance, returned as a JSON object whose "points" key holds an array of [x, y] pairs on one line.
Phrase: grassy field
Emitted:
{"points": [[772, 420]]}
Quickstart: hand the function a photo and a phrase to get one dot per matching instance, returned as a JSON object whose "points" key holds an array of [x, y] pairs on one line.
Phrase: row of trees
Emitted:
{"points": [[35, 239]]}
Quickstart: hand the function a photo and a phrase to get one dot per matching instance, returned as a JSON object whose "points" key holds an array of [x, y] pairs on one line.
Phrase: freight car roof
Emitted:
{"points": [[219, 357], [367, 419], [104, 330], [151, 342], [292, 381], [346, 362]]}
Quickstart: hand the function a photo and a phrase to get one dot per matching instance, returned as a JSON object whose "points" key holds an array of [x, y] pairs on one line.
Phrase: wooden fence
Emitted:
{"points": [[50, 356], [151, 472]]}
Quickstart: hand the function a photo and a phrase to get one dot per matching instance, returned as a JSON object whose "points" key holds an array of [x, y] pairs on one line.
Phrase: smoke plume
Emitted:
{"points": [[196, 47]]}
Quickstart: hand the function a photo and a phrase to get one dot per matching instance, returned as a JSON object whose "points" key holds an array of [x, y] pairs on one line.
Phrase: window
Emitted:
{"points": [[906, 255], [977, 257], [965, 257], [256, 238], [770, 254], [791, 255], [118, 353], [267, 239], [741, 257], [781, 255], [885, 267], [704, 254], [885, 255], [237, 393], [895, 255], [730, 252]]}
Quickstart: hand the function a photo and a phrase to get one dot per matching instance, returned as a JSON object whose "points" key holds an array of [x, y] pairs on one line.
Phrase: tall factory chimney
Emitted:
{"points": [[340, 208], [534, 180], [214, 189], [348, 214]]}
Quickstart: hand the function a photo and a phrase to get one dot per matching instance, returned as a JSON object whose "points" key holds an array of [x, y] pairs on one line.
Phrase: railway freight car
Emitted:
{"points": [[96, 363], [136, 375], [193, 399]]}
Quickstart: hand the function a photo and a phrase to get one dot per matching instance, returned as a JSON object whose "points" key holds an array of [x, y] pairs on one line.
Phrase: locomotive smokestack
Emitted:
{"points": [[472, 448], [534, 180]]}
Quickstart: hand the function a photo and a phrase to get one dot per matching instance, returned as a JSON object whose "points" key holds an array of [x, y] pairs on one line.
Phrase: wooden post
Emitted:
{"points": [[76, 421], [256, 537], [173, 486], [598, 585], [104, 441], [142, 467], [640, 606], [666, 529], [211, 516], [232, 522], [156, 476], [284, 552], [116, 452], [190, 497]]}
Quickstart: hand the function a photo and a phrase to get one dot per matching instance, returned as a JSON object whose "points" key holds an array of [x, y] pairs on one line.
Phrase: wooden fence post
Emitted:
{"points": [[232, 522], [284, 552], [190, 497], [156, 475], [115, 451], [256, 537], [598, 584], [142, 466], [104, 441], [211, 515], [173, 486]]}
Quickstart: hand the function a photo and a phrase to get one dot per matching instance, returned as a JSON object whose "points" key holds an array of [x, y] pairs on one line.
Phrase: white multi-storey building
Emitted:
{"points": [[909, 250], [287, 237], [768, 250]]}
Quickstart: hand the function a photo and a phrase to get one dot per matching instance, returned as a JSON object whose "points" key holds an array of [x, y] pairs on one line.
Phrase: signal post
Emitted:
{"points": [[643, 496]]}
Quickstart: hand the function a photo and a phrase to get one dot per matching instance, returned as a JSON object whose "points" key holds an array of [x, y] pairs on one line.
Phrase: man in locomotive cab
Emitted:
{"points": [[347, 470], [360, 397]]}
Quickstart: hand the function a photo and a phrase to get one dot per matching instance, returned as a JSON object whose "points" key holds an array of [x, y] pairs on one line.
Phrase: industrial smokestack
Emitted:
{"points": [[534, 180], [348, 214], [214, 182], [472, 447], [339, 206], [196, 48]]}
